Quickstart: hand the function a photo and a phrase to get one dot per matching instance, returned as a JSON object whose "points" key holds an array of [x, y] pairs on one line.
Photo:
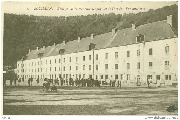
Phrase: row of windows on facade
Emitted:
{"points": [[149, 77], [106, 67], [106, 56]]}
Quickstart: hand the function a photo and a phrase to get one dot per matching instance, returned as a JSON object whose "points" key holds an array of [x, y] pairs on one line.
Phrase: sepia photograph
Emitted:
{"points": [[90, 58]]}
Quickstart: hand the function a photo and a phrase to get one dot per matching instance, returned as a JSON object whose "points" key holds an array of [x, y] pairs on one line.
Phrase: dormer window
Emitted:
{"points": [[61, 51], [139, 38]]}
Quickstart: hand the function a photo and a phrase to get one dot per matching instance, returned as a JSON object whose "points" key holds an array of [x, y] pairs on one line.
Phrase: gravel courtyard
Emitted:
{"points": [[89, 101]]}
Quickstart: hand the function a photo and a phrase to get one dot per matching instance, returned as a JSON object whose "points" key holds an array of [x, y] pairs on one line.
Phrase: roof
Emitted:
{"points": [[151, 31]]}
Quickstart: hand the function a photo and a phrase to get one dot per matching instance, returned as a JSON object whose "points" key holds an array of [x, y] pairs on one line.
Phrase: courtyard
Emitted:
{"points": [[25, 100]]}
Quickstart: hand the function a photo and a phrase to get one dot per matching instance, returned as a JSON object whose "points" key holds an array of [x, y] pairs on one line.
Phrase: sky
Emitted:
{"points": [[80, 8]]}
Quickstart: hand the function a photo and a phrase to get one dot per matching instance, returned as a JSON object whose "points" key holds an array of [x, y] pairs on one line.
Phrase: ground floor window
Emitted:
{"points": [[167, 77], [101, 76], [158, 77], [106, 77], [116, 77], [128, 76]]}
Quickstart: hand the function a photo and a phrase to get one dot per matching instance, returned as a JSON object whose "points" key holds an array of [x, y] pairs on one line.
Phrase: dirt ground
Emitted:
{"points": [[89, 101]]}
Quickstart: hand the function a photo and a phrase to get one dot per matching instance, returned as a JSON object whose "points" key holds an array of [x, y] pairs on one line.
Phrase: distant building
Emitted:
{"points": [[134, 56]]}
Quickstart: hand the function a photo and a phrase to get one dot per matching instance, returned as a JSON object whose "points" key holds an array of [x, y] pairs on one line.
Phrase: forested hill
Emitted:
{"points": [[23, 32]]}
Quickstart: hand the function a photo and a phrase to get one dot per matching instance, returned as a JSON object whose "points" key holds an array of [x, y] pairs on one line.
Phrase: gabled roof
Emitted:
{"points": [[151, 31]]}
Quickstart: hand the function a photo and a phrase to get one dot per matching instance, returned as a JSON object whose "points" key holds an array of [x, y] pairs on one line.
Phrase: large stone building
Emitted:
{"points": [[133, 56]]}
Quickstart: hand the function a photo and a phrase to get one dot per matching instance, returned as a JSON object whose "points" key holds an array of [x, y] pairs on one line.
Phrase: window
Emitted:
{"points": [[166, 63], [138, 52], [70, 59], [83, 75], [64, 59], [96, 77], [96, 56], [49, 62], [116, 55], [167, 49], [128, 65], [32, 63], [167, 77], [83, 58], [128, 76], [101, 76], [49, 69], [106, 77], [150, 51], [121, 76], [89, 57], [76, 67], [157, 77], [116, 77], [106, 56], [128, 53], [64, 68], [46, 62], [150, 64], [55, 61], [89, 67], [106, 66], [59, 60], [83, 67], [149, 76], [59, 69], [96, 67], [138, 65], [76, 59], [116, 66], [69, 67]]}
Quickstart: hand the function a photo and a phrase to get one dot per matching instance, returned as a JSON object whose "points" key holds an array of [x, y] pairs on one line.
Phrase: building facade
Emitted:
{"points": [[135, 56]]}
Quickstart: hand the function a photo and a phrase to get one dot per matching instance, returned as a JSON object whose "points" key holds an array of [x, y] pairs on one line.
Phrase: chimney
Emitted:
{"points": [[29, 50], [44, 47], [64, 42], [113, 31], [169, 20], [37, 48], [79, 39], [133, 27], [92, 36], [54, 44]]}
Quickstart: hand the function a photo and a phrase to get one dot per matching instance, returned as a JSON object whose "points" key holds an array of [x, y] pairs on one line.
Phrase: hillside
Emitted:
{"points": [[23, 32]]}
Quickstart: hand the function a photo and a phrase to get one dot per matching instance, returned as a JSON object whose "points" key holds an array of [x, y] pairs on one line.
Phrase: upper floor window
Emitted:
{"points": [[106, 66], [138, 52], [150, 51], [167, 63], [128, 65], [96, 67], [49, 61], [76, 67], [69, 67], [76, 59], [83, 67], [96, 56], [83, 58], [128, 53], [64, 68], [116, 66], [89, 57], [70, 59], [116, 55], [150, 64], [55, 61], [138, 65], [64, 59], [89, 67], [167, 49], [158, 77], [106, 56], [59, 60]]}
